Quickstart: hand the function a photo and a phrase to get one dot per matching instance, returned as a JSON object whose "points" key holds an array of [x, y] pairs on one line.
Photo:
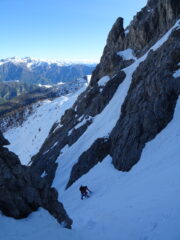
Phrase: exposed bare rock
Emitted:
{"points": [[23, 191], [96, 153], [154, 92]]}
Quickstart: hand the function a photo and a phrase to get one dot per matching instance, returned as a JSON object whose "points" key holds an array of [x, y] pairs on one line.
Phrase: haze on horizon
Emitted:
{"points": [[59, 29]]}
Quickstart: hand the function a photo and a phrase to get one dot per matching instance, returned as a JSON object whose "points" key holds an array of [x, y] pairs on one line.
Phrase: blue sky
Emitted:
{"points": [[60, 29]]}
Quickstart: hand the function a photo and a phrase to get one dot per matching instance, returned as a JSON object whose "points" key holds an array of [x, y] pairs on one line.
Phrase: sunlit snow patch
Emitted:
{"points": [[88, 78], [127, 54]]}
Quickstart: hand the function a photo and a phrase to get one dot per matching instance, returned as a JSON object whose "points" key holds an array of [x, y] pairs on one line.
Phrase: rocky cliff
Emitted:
{"points": [[145, 29], [22, 191], [136, 73]]}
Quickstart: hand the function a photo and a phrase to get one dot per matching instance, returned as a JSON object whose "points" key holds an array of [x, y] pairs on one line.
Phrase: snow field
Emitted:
{"points": [[69, 157], [142, 204], [39, 225], [26, 140], [109, 116]]}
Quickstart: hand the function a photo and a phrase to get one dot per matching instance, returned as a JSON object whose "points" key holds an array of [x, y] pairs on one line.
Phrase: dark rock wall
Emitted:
{"points": [[149, 106], [96, 153], [23, 191], [147, 109]]}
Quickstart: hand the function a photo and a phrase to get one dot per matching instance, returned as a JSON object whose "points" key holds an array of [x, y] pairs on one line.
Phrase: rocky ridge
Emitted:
{"points": [[148, 106], [144, 30]]}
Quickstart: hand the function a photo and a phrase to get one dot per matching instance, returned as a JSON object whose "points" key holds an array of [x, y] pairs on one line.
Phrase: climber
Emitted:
{"points": [[84, 191]]}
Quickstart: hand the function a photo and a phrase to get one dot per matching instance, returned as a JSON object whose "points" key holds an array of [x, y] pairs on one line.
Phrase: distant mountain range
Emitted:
{"points": [[16, 95], [36, 71]]}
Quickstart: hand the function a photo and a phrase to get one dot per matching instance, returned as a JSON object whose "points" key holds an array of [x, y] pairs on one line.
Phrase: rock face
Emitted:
{"points": [[96, 153], [149, 104], [155, 99], [146, 28], [22, 191]]}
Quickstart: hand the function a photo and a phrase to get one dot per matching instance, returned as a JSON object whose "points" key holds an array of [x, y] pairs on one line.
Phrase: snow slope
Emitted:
{"points": [[39, 225], [109, 117], [27, 139], [142, 204]]}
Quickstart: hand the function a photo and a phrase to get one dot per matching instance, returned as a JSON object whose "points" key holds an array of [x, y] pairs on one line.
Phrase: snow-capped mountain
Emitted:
{"points": [[120, 137], [31, 62], [39, 71]]}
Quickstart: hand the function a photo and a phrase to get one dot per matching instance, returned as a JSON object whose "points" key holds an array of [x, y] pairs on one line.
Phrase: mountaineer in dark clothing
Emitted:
{"points": [[84, 191]]}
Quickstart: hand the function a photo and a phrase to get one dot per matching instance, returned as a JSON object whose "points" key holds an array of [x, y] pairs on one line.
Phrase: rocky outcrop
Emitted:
{"points": [[150, 101], [145, 29], [3, 141], [22, 191], [96, 153], [149, 106]]}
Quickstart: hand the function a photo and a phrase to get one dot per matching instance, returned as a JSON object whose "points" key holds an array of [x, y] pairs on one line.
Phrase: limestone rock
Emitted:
{"points": [[23, 191]]}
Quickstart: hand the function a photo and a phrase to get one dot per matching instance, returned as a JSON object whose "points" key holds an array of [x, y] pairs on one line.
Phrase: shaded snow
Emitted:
{"points": [[142, 204], [102, 81], [39, 225], [27, 139], [109, 116], [80, 124]]}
